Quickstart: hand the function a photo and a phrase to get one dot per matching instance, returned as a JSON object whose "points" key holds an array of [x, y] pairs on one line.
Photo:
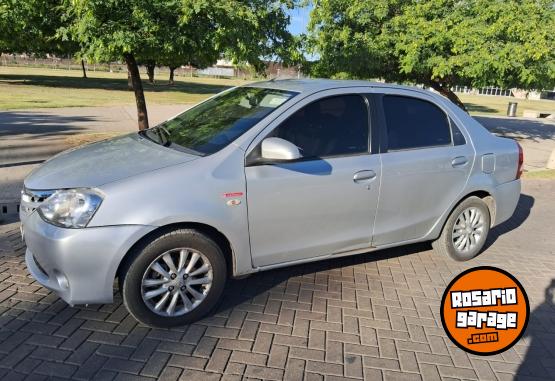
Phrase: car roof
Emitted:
{"points": [[315, 85]]}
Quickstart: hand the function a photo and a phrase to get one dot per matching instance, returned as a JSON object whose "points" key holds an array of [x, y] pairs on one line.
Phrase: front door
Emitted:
{"points": [[324, 203]]}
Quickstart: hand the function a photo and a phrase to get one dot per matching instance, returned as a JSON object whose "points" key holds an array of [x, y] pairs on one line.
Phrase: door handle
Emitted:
{"points": [[459, 161], [364, 176]]}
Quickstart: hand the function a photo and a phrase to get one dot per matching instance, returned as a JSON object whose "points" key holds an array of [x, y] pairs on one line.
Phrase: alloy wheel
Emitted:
{"points": [[468, 230], [176, 282]]}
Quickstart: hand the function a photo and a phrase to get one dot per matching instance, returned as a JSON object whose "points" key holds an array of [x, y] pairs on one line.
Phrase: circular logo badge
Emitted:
{"points": [[485, 310]]}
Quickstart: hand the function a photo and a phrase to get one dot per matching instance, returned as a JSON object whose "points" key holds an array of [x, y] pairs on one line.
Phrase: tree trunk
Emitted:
{"points": [[444, 90], [129, 81], [150, 71], [84, 69], [133, 70], [172, 69]]}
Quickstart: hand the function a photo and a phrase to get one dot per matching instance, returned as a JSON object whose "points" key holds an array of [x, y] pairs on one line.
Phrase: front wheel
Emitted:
{"points": [[465, 231], [176, 279]]}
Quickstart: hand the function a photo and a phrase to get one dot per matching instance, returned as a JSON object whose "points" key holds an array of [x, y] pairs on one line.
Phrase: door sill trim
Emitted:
{"points": [[339, 254]]}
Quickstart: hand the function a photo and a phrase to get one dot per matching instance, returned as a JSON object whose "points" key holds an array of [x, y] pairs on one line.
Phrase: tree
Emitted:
{"points": [[438, 43], [150, 65], [136, 30]]}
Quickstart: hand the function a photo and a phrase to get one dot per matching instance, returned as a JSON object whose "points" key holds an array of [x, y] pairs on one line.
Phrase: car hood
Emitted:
{"points": [[103, 162]]}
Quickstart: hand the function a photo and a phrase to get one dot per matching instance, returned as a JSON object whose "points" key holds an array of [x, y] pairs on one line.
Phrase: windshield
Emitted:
{"points": [[212, 125]]}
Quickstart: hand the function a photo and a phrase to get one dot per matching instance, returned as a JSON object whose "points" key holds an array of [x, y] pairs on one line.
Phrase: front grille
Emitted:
{"points": [[35, 195], [31, 199]]}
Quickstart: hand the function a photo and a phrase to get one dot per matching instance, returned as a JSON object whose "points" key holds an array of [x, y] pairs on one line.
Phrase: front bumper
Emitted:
{"points": [[78, 264]]}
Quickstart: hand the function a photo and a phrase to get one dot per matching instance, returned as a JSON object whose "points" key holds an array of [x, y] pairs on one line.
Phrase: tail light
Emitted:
{"points": [[520, 161]]}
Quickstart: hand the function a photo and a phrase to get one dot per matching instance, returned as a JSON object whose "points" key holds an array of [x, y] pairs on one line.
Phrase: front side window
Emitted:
{"points": [[328, 127], [212, 125], [414, 123]]}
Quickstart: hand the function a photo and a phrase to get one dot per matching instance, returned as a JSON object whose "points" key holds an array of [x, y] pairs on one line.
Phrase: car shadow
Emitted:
{"points": [[539, 359], [521, 214], [239, 291]]}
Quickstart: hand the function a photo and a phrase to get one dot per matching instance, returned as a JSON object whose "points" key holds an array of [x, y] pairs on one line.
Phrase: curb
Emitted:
{"points": [[8, 210]]}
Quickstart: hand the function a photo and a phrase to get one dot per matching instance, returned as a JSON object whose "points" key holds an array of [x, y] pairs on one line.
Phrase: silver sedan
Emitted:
{"points": [[258, 177]]}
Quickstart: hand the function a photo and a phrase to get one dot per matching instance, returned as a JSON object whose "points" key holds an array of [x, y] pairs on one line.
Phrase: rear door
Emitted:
{"points": [[426, 161]]}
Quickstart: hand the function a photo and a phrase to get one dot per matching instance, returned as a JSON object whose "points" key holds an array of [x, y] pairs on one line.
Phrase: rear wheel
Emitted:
{"points": [[176, 279], [465, 231]]}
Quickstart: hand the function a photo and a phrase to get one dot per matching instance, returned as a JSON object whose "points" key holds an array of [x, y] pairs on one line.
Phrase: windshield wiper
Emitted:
{"points": [[167, 134], [158, 135], [145, 134], [163, 138]]}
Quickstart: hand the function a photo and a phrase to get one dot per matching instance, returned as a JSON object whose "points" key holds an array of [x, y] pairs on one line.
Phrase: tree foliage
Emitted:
{"points": [[246, 31], [30, 26], [508, 43]]}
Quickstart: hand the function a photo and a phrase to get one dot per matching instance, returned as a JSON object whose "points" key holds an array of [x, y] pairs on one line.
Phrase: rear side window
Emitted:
{"points": [[414, 123]]}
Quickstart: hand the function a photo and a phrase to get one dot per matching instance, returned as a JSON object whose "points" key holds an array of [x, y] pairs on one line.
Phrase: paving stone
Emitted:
{"points": [[54, 369], [218, 360], [187, 362], [170, 374], [264, 373], [278, 356]]}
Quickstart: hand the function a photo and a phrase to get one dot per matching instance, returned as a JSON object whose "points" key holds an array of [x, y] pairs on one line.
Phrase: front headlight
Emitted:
{"points": [[71, 208]]}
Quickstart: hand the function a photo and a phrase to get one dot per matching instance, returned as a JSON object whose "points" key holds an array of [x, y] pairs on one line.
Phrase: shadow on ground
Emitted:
{"points": [[540, 335], [473, 107], [108, 83], [523, 209], [240, 291], [14, 123], [523, 129]]}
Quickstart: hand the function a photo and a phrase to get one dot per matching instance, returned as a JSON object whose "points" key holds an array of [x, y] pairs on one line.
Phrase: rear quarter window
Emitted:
{"points": [[458, 137]]}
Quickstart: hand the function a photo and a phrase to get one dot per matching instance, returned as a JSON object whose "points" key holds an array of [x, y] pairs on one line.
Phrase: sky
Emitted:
{"points": [[299, 19]]}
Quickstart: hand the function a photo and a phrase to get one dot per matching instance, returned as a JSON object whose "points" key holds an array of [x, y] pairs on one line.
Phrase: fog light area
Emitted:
{"points": [[61, 279]]}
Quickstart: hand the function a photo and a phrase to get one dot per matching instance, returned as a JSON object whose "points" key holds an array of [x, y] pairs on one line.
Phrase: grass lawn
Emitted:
{"points": [[495, 105], [26, 88], [544, 174]]}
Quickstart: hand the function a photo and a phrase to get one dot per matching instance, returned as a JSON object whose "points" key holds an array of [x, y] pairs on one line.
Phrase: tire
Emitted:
{"points": [[139, 280], [473, 238]]}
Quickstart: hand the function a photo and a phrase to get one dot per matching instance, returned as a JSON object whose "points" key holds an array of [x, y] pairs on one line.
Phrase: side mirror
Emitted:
{"points": [[279, 149]]}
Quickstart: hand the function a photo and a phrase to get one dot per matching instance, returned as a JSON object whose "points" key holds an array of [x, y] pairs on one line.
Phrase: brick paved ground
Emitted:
{"points": [[372, 316]]}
